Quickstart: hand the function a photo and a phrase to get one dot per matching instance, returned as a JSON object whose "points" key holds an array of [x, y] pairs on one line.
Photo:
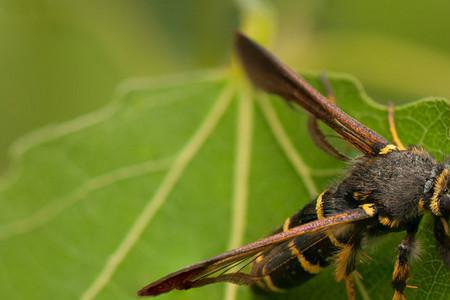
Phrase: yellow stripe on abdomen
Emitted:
{"points": [[320, 215], [304, 262]]}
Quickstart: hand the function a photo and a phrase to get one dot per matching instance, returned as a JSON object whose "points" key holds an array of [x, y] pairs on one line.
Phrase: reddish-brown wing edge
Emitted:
{"points": [[271, 75], [186, 278]]}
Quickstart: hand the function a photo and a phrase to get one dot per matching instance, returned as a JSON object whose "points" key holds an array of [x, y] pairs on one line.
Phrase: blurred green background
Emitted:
{"points": [[60, 59]]}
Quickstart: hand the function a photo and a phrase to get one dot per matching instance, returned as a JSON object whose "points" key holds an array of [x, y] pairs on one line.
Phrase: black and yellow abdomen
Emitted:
{"points": [[294, 262]]}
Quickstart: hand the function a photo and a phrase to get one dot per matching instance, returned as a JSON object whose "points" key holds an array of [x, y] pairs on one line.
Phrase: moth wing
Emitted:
{"points": [[216, 268], [271, 75]]}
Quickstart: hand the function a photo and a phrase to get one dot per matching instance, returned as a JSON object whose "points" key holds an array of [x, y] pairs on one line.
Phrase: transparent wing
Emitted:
{"points": [[271, 75], [228, 265]]}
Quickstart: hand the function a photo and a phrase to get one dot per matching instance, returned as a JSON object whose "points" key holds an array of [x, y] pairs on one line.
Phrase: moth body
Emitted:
{"points": [[392, 183]]}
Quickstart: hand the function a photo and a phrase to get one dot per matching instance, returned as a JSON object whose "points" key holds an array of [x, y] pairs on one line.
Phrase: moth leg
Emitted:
{"points": [[328, 89], [393, 129], [401, 268], [350, 287], [345, 267], [442, 235], [317, 135]]}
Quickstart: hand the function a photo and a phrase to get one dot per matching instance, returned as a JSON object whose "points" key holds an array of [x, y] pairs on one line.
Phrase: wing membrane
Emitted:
{"points": [[214, 269], [271, 75]]}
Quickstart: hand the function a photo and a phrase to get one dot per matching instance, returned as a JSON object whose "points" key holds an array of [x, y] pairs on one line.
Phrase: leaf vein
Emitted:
{"points": [[287, 146], [50, 211], [173, 175], [52, 132], [241, 178]]}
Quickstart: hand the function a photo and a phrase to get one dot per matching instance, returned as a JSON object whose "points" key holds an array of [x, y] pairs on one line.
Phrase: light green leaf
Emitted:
{"points": [[175, 171]]}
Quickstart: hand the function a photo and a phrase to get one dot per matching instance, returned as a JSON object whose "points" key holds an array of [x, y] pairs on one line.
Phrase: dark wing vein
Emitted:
{"points": [[271, 75], [208, 271]]}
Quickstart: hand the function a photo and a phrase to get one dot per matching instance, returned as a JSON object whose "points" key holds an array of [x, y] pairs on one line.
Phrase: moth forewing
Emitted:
{"points": [[271, 75], [193, 276]]}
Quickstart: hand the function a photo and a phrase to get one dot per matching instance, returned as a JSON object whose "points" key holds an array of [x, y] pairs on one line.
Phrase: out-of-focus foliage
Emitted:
{"points": [[395, 47], [59, 59]]}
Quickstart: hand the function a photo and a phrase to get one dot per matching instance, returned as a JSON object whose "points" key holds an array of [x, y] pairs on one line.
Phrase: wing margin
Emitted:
{"points": [[191, 276], [271, 75]]}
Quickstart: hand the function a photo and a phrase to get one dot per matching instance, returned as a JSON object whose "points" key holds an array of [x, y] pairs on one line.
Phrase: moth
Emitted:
{"points": [[387, 189]]}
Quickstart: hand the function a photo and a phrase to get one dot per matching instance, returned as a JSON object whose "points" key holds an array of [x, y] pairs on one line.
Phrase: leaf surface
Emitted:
{"points": [[175, 171]]}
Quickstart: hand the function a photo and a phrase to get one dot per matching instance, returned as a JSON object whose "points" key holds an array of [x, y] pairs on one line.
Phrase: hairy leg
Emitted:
{"points": [[401, 268], [345, 267]]}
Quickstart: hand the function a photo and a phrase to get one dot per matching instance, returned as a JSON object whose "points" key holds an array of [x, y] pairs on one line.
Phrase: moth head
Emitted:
{"points": [[444, 206], [437, 191], [444, 203], [437, 195]]}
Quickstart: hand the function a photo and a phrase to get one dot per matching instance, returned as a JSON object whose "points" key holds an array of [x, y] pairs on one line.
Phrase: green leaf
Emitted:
{"points": [[178, 170]]}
